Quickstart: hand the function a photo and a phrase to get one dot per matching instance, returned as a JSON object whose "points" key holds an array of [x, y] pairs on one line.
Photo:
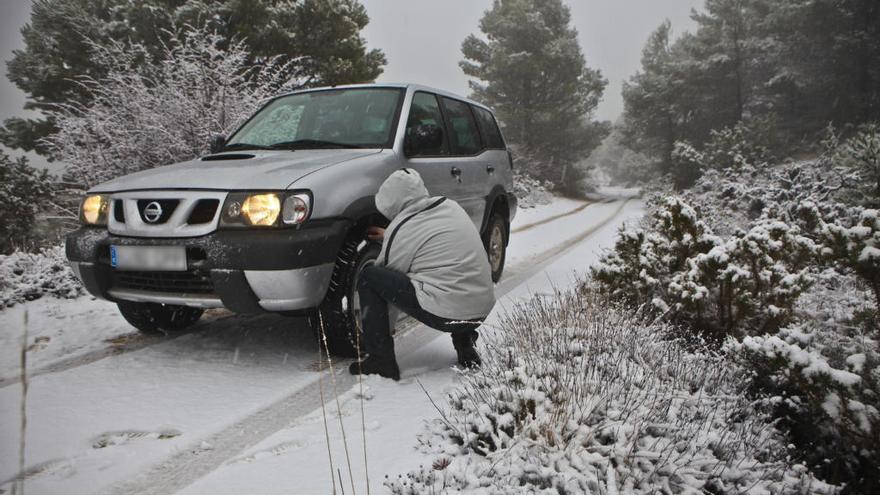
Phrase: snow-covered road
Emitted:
{"points": [[234, 406]]}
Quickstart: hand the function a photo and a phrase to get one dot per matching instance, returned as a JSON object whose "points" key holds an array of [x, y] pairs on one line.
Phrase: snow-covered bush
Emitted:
{"points": [[792, 278], [861, 155], [825, 387], [800, 193], [530, 192], [745, 284], [687, 165], [645, 258], [25, 192], [857, 247], [738, 146], [28, 276], [580, 395], [143, 115], [564, 179]]}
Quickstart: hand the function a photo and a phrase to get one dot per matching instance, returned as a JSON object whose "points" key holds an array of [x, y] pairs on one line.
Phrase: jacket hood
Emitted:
{"points": [[400, 190], [246, 170]]}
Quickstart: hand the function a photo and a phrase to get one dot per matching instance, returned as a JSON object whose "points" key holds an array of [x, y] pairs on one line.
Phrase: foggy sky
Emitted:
{"points": [[422, 40]]}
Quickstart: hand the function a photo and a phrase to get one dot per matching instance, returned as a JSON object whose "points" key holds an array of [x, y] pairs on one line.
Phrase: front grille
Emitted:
{"points": [[161, 208], [168, 282], [118, 211], [204, 211]]}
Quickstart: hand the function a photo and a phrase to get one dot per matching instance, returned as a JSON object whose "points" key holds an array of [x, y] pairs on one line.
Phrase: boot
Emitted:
{"points": [[376, 365], [464, 343]]}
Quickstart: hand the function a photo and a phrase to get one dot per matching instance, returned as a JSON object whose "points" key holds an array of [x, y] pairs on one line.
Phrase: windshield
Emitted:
{"points": [[344, 118]]}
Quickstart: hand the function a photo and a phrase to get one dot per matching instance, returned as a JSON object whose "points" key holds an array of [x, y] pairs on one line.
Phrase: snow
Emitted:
{"points": [[393, 416], [58, 329], [869, 253], [104, 421]]}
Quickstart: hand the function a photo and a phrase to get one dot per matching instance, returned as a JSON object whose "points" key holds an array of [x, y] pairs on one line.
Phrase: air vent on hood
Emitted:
{"points": [[227, 156]]}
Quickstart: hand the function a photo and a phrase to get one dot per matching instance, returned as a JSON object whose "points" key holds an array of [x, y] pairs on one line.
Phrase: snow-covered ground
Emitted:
{"points": [[120, 423]]}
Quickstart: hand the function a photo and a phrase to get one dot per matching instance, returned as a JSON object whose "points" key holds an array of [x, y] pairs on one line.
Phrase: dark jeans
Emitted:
{"points": [[378, 286]]}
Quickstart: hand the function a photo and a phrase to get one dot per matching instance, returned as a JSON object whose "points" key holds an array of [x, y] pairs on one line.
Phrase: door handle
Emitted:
{"points": [[456, 172], [490, 169]]}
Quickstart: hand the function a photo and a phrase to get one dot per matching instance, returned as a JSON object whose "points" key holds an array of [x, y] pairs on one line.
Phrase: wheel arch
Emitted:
{"points": [[496, 201]]}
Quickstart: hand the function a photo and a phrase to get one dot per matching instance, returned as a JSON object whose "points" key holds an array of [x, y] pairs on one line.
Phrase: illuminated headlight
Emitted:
{"points": [[267, 209], [261, 209], [93, 210]]}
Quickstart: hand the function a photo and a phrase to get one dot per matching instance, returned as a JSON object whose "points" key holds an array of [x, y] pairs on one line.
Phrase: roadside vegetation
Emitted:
{"points": [[747, 300]]}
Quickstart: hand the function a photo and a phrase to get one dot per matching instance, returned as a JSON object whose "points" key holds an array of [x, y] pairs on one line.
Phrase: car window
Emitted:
{"points": [[426, 111], [488, 129], [464, 138], [357, 117]]}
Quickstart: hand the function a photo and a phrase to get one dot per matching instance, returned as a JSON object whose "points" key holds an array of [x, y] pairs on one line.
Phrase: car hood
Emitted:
{"points": [[245, 170]]}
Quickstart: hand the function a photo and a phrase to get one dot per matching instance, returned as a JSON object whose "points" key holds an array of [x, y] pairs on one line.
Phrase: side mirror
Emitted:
{"points": [[217, 143], [424, 139]]}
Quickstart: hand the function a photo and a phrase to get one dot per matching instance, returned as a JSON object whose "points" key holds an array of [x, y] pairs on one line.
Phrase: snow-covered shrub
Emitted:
{"points": [[748, 284], [825, 387], [25, 192], [530, 192], [687, 165], [563, 178], [28, 276], [857, 247], [745, 284], [795, 271], [861, 154], [644, 259], [738, 146], [580, 395], [143, 115], [800, 193]]}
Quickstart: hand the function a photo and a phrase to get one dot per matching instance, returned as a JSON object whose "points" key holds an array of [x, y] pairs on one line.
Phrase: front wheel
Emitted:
{"points": [[495, 242], [339, 312], [158, 318]]}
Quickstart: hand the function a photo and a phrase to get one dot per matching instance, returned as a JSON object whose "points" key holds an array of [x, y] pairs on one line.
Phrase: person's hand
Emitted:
{"points": [[375, 234]]}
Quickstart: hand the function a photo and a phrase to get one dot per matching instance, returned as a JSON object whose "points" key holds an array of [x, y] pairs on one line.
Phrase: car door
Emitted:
{"points": [[495, 160], [466, 156], [435, 166]]}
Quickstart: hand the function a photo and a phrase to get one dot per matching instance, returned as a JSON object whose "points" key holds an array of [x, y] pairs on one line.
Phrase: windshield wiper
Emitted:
{"points": [[311, 143], [246, 146]]}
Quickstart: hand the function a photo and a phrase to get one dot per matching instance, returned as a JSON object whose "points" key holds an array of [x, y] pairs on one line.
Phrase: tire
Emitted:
{"points": [[339, 309], [159, 318], [495, 243]]}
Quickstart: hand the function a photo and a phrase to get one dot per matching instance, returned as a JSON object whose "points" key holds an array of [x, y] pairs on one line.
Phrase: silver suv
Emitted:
{"points": [[274, 219]]}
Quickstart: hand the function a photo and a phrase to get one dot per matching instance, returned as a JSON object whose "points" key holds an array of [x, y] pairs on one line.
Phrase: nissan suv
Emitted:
{"points": [[274, 219]]}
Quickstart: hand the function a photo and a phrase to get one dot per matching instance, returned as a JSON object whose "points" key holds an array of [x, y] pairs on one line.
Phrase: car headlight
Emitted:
{"points": [[265, 209], [93, 210]]}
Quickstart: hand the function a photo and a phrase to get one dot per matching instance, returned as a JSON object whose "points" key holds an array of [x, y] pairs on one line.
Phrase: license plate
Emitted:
{"points": [[149, 258]]}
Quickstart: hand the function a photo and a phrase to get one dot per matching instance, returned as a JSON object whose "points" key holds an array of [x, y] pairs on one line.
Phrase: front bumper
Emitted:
{"points": [[246, 271]]}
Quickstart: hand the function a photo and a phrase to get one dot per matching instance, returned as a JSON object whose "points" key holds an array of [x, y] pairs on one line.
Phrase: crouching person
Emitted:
{"points": [[432, 266]]}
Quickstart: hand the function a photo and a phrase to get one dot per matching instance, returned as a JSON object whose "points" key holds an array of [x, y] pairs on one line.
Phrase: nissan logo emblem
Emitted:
{"points": [[153, 212]]}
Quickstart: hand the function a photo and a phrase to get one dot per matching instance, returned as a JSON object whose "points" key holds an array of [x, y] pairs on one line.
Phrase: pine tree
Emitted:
{"points": [[24, 191], [530, 69], [654, 101], [322, 36]]}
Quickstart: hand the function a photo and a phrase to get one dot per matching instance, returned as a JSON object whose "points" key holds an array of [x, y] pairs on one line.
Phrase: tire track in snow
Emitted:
{"points": [[137, 342], [549, 219], [194, 462]]}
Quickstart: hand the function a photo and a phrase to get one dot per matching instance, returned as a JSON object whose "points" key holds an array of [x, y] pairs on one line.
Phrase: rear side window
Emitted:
{"points": [[489, 129], [426, 111], [464, 138]]}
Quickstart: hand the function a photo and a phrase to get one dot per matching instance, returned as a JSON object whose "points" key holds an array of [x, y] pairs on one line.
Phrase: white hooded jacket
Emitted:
{"points": [[434, 242]]}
